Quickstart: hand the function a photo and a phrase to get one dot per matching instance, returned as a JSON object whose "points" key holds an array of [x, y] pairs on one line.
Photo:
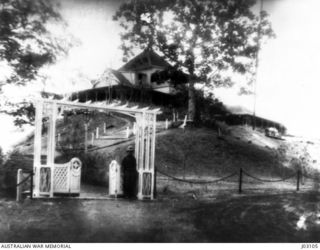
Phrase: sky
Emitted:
{"points": [[288, 78], [90, 22]]}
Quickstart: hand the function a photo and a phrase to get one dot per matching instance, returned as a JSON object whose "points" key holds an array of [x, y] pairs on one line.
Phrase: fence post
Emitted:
{"points": [[166, 123], [104, 128], [92, 138], [31, 184], [240, 181], [127, 132], [19, 188], [298, 180], [97, 133]]}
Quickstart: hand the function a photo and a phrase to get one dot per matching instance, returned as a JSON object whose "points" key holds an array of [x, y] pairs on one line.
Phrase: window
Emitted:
{"points": [[142, 79]]}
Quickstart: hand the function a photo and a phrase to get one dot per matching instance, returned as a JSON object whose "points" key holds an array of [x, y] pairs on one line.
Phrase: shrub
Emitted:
{"points": [[9, 169], [1, 168]]}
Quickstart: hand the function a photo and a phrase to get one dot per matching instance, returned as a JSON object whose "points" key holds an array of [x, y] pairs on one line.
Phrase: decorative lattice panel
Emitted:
{"points": [[146, 186], [45, 179], [61, 178]]}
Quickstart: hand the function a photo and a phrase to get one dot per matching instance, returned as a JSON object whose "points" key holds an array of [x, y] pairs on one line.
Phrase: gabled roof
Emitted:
{"points": [[121, 78], [111, 75], [147, 59]]}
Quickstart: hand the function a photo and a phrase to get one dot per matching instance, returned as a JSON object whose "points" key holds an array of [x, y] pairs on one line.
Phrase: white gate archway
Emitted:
{"points": [[144, 143]]}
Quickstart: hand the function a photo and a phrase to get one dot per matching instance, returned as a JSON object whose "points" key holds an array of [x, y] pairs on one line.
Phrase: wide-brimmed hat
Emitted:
{"points": [[130, 149]]}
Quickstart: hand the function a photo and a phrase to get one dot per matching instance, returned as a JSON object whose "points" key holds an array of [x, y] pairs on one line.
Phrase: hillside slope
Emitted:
{"points": [[196, 153], [201, 152]]}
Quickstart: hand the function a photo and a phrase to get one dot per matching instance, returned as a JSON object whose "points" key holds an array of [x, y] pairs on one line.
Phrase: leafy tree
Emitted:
{"points": [[25, 42], [207, 39], [26, 45]]}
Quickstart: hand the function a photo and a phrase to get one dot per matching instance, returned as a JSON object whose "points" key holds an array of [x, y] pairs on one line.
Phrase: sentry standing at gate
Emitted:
{"points": [[130, 174]]}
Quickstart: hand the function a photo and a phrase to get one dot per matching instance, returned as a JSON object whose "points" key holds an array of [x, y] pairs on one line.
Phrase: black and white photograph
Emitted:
{"points": [[159, 121]]}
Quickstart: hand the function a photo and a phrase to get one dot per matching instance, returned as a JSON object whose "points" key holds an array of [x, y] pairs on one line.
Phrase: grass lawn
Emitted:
{"points": [[290, 217]]}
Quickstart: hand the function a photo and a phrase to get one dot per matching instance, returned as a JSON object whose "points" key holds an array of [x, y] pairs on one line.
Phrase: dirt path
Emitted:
{"points": [[291, 217]]}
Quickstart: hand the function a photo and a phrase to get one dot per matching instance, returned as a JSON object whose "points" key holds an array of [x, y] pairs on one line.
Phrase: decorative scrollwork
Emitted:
{"points": [[75, 166]]}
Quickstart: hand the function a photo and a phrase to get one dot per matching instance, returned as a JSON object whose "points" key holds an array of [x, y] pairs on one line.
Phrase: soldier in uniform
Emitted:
{"points": [[130, 174]]}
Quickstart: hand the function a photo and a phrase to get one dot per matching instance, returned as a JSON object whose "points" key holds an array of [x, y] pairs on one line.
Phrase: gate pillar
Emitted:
{"points": [[37, 147], [144, 153]]}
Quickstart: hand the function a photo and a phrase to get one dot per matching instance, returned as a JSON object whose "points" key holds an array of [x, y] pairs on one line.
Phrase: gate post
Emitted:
{"points": [[51, 143], [139, 152], [37, 148], [145, 154]]}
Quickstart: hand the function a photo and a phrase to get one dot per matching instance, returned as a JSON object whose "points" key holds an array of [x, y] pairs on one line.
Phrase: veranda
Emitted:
{"points": [[47, 176]]}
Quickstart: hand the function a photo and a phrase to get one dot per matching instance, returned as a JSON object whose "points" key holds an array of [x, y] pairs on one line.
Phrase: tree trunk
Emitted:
{"points": [[191, 101]]}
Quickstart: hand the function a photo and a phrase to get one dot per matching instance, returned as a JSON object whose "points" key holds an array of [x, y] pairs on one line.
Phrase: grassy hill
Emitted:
{"points": [[201, 152], [194, 153]]}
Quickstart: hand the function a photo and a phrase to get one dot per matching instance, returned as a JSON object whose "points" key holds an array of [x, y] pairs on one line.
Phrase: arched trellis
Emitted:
{"points": [[144, 142]]}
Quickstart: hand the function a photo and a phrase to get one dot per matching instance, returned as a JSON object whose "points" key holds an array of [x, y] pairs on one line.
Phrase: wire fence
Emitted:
{"points": [[297, 176], [21, 182], [265, 180], [317, 178], [198, 182], [24, 181]]}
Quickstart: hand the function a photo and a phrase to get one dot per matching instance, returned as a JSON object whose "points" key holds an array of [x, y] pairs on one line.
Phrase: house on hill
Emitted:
{"points": [[142, 78], [140, 69]]}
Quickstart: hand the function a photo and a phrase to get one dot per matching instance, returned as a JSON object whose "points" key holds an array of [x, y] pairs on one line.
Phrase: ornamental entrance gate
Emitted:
{"points": [[67, 177], [51, 178]]}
